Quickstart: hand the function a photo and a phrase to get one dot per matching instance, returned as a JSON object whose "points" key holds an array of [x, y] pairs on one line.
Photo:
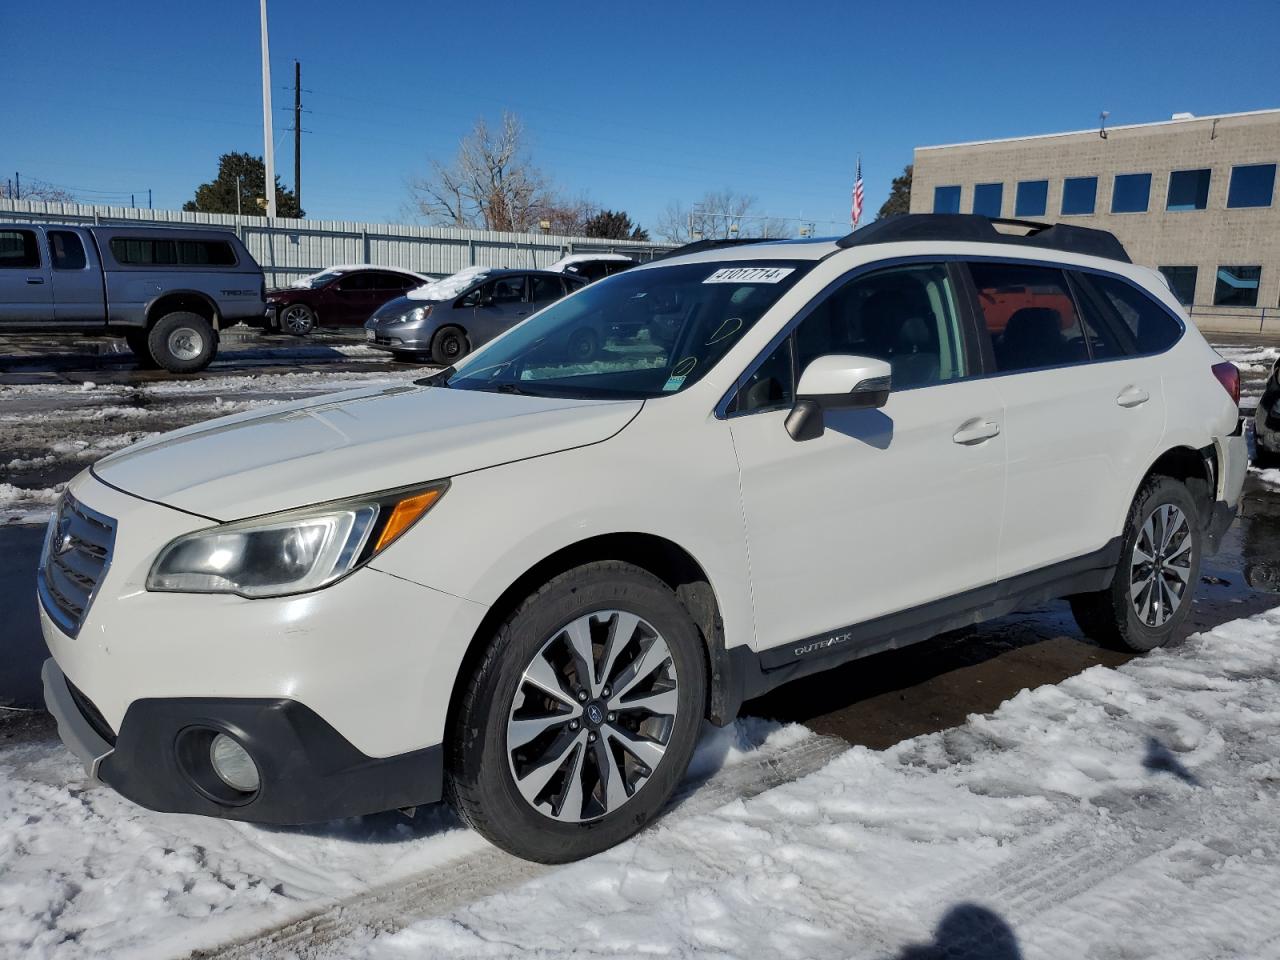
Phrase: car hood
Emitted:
{"points": [[351, 444]]}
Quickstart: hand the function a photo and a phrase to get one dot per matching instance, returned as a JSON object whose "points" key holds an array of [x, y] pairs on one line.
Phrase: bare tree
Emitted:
{"points": [[41, 190], [492, 184], [719, 215]]}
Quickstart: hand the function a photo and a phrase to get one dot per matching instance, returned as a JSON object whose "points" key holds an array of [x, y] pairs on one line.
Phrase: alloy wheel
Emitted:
{"points": [[1160, 568], [297, 320], [592, 716]]}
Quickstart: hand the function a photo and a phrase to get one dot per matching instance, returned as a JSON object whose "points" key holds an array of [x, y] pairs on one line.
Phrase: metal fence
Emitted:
{"points": [[288, 248]]}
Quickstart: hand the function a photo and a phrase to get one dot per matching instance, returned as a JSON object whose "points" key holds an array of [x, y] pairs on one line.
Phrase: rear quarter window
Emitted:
{"points": [[1153, 329]]}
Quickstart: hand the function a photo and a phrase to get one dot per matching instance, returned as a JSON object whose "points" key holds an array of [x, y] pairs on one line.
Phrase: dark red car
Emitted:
{"points": [[342, 296]]}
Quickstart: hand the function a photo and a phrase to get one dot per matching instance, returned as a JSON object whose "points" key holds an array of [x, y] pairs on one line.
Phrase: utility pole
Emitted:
{"points": [[149, 198], [17, 185], [239, 191], [297, 132], [269, 152]]}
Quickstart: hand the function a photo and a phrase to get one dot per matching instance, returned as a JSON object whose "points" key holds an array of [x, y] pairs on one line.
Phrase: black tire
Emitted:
{"points": [[480, 782], [182, 342], [1110, 616], [449, 345], [584, 344], [1263, 458], [138, 346]]}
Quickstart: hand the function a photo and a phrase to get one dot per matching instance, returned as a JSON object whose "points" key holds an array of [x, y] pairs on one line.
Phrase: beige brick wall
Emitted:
{"points": [[1202, 238]]}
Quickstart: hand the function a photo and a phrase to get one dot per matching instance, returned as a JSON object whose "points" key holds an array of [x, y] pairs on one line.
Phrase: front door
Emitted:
{"points": [[499, 305], [888, 509], [26, 290]]}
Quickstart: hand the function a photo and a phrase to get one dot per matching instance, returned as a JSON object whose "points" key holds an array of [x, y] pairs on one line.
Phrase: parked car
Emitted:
{"points": [[167, 291], [340, 296], [1266, 422], [592, 266], [447, 320], [524, 582]]}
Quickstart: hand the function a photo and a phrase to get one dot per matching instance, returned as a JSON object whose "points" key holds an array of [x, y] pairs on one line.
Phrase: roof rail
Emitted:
{"points": [[971, 228], [697, 246]]}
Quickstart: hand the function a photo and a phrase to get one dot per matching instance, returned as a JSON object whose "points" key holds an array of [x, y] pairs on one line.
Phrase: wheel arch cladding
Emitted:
{"points": [[1196, 469], [183, 300], [663, 558]]}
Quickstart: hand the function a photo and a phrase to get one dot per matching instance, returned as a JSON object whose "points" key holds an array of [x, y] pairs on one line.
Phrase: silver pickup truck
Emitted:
{"points": [[166, 290]]}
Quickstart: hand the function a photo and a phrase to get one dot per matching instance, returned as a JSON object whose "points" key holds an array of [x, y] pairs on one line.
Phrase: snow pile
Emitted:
{"points": [[562, 265], [1256, 360], [1123, 813], [450, 286], [85, 873], [23, 505]]}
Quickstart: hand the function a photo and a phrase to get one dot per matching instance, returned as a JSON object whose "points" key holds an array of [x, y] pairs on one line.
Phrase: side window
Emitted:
{"points": [[66, 250], [355, 283], [507, 289], [771, 386], [1030, 316], [544, 289], [1149, 324], [906, 315], [18, 250]]}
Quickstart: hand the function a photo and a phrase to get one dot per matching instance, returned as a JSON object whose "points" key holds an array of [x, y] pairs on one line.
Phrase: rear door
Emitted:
{"points": [[1081, 418], [78, 296], [26, 289]]}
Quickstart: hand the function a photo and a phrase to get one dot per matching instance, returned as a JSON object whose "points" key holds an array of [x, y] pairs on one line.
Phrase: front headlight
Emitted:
{"points": [[290, 552], [413, 316]]}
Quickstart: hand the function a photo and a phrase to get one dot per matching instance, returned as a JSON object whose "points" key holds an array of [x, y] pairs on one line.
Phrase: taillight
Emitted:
{"points": [[1229, 377]]}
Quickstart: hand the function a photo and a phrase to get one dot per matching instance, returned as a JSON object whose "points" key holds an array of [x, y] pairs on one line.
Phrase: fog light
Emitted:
{"points": [[233, 765]]}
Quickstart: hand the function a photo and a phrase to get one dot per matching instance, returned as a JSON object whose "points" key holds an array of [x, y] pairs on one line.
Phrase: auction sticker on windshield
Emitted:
{"points": [[749, 274]]}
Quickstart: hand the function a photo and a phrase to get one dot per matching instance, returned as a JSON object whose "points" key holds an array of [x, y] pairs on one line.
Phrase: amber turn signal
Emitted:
{"points": [[405, 513]]}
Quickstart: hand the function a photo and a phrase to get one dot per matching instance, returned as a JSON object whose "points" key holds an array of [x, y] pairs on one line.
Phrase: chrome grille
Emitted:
{"points": [[77, 552]]}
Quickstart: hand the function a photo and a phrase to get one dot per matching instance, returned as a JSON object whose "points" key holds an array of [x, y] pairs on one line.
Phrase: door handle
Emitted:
{"points": [[1132, 396], [34, 280], [975, 431]]}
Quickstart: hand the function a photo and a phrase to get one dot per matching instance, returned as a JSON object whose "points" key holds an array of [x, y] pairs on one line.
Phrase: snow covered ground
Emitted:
{"points": [[1125, 812]]}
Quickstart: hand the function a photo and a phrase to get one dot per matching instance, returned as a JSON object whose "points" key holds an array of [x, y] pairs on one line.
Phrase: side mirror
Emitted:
{"points": [[836, 382]]}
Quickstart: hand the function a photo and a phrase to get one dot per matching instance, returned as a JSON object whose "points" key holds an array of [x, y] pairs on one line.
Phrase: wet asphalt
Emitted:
{"points": [[877, 701]]}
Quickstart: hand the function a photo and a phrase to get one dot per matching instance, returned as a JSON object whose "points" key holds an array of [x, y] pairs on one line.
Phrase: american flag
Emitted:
{"points": [[856, 213]]}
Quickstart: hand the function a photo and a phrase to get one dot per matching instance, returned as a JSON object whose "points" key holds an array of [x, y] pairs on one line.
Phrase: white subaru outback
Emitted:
{"points": [[523, 583]]}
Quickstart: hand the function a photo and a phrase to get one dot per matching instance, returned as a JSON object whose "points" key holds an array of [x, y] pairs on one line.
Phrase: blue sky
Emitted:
{"points": [[631, 105]]}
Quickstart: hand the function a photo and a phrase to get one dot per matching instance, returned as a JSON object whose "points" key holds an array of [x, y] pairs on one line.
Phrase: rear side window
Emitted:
{"points": [[147, 251], [1130, 309], [544, 289], [1030, 316], [18, 250], [66, 250]]}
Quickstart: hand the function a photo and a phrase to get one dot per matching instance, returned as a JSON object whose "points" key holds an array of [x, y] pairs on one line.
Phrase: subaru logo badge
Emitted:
{"points": [[594, 714]]}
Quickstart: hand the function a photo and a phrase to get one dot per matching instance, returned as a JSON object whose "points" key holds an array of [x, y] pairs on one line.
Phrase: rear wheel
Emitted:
{"points": [[297, 319], [584, 344], [581, 717], [449, 345], [182, 342], [1150, 595]]}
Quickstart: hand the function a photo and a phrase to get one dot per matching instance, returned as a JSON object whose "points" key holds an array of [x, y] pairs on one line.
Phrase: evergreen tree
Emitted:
{"points": [[899, 196], [248, 174]]}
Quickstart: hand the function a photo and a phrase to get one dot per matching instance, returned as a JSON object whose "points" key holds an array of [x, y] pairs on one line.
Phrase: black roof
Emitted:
{"points": [[971, 228], [697, 246]]}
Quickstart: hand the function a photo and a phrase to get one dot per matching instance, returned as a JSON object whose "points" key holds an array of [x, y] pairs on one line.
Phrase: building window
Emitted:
{"points": [[1079, 195], [946, 199], [1032, 198], [1188, 190], [1131, 193], [1237, 287], [1182, 281], [1251, 185], [987, 199]]}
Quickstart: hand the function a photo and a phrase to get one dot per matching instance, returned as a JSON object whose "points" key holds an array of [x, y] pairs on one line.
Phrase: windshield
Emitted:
{"points": [[316, 280], [643, 333]]}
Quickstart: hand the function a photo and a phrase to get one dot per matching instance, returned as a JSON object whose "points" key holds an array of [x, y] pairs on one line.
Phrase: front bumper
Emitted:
{"points": [[309, 772]]}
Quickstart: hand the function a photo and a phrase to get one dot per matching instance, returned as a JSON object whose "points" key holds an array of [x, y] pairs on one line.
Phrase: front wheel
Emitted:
{"points": [[182, 342], [297, 319], [449, 345], [581, 716], [1150, 595]]}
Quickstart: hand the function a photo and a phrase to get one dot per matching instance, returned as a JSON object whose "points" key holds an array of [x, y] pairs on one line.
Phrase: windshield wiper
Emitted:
{"points": [[438, 379]]}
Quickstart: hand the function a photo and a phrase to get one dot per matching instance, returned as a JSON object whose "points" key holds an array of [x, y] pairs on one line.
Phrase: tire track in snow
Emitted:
{"points": [[449, 886]]}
